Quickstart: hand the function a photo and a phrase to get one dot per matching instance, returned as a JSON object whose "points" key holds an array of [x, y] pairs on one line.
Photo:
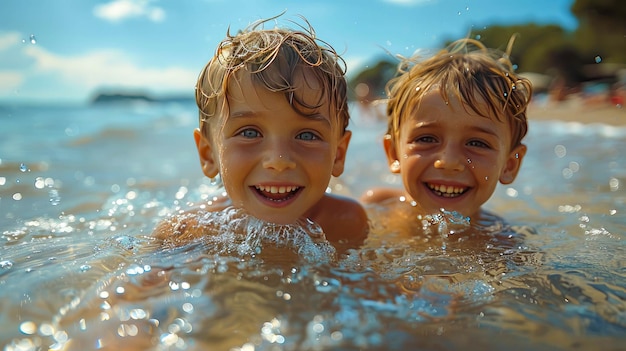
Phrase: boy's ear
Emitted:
{"points": [[207, 161], [513, 164], [392, 155], [340, 156]]}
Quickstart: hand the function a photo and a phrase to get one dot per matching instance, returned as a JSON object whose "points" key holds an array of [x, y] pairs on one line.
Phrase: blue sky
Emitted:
{"points": [[61, 51]]}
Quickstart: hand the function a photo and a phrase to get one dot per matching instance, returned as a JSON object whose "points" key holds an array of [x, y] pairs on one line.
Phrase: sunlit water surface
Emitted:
{"points": [[81, 189]]}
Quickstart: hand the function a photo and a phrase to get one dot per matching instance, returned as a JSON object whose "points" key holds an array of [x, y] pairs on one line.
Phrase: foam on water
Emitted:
{"points": [[232, 231]]}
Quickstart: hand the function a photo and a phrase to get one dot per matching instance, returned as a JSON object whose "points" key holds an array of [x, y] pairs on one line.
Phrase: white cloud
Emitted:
{"points": [[8, 40], [110, 68], [10, 81], [118, 10]]}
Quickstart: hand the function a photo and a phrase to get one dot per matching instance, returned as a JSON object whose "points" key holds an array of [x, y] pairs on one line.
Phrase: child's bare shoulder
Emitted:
{"points": [[185, 226], [342, 218]]}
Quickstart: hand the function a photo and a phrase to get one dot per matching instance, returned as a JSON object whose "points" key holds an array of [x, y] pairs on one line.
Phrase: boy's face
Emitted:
{"points": [[451, 158], [274, 162]]}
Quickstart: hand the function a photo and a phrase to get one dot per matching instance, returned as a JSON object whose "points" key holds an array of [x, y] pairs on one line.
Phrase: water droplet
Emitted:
{"points": [[511, 192], [28, 328], [46, 329], [560, 151], [40, 183], [567, 173], [33, 40], [598, 59], [6, 264], [55, 199]]}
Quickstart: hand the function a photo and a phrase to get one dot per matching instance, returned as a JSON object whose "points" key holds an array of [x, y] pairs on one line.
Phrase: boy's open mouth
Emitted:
{"points": [[277, 193], [446, 191]]}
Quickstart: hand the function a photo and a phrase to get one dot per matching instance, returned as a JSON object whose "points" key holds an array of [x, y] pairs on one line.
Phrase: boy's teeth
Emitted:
{"points": [[447, 190], [276, 189]]}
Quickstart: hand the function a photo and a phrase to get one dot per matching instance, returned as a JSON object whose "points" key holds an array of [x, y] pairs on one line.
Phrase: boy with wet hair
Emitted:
{"points": [[273, 119], [456, 121]]}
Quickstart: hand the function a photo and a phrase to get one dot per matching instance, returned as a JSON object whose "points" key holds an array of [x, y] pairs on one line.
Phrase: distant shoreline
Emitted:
{"points": [[581, 110], [118, 97]]}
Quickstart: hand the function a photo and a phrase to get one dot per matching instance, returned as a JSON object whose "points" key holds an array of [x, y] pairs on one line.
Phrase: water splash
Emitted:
{"points": [[6, 264], [232, 231], [445, 223]]}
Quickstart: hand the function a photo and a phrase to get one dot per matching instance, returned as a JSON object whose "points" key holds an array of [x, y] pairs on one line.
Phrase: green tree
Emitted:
{"points": [[369, 84], [602, 29], [533, 43]]}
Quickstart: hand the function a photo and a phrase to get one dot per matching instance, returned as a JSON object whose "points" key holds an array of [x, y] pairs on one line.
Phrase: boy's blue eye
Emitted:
{"points": [[250, 133], [425, 139], [307, 136], [478, 143]]}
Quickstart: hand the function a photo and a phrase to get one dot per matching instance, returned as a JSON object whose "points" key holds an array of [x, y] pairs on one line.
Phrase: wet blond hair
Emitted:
{"points": [[273, 58], [469, 71]]}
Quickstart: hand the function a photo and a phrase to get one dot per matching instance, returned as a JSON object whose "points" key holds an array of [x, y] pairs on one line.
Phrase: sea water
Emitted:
{"points": [[82, 187]]}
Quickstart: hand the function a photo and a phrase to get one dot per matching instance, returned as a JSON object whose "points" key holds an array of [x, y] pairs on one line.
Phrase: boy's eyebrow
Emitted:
{"points": [[318, 117], [485, 130], [249, 113], [244, 113], [476, 128]]}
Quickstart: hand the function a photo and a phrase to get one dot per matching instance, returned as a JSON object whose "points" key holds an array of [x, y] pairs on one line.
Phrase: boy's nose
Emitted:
{"points": [[450, 160], [278, 158]]}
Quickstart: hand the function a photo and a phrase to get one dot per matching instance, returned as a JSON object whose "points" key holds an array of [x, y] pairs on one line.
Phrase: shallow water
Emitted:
{"points": [[81, 188]]}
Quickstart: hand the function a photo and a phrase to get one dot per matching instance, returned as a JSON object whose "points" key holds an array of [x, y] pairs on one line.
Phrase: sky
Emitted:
{"points": [[64, 51]]}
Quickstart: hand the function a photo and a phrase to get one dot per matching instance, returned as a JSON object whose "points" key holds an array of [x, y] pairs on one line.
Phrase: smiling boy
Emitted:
{"points": [[455, 127], [273, 119]]}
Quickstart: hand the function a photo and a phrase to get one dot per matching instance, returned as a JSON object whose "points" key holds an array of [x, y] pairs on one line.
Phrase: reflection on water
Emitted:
{"points": [[82, 190]]}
